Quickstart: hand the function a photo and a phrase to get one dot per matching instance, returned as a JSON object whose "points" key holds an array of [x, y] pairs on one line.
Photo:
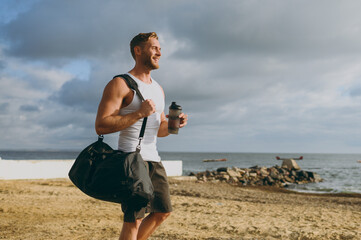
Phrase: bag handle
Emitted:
{"points": [[132, 84]]}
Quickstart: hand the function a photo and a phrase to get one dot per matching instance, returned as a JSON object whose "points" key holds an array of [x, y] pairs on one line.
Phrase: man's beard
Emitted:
{"points": [[147, 61]]}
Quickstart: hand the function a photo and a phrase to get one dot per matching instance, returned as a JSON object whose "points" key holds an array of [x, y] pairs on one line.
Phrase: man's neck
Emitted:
{"points": [[142, 74]]}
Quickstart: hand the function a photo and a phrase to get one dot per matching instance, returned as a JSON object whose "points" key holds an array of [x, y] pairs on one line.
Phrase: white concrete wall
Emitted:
{"points": [[173, 168], [43, 169]]}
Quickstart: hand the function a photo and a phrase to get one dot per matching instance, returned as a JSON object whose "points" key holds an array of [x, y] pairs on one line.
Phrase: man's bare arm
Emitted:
{"points": [[108, 119], [163, 128]]}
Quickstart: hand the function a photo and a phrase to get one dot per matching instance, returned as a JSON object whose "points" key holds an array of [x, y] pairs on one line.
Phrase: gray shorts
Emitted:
{"points": [[161, 201]]}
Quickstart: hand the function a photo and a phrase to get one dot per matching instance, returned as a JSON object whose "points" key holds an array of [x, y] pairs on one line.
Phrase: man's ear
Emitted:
{"points": [[137, 50]]}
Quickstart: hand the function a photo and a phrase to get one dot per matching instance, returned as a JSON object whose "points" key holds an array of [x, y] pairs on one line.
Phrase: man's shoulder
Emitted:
{"points": [[119, 77], [125, 79], [118, 86], [119, 80]]}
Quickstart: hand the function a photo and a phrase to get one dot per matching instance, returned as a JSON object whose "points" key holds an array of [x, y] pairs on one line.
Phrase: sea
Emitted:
{"points": [[341, 173]]}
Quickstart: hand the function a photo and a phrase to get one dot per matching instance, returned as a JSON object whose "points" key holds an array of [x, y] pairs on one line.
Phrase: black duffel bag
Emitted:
{"points": [[112, 175]]}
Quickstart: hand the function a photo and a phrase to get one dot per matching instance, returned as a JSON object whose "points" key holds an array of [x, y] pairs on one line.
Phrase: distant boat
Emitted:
{"points": [[215, 160], [278, 158], [359, 161]]}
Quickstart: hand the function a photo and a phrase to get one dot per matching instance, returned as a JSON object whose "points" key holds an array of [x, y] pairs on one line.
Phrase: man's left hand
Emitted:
{"points": [[183, 119]]}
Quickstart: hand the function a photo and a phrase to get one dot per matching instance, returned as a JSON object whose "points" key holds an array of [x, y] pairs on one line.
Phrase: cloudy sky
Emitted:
{"points": [[254, 76]]}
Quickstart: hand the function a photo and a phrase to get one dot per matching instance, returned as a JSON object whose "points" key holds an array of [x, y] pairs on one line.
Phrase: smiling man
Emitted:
{"points": [[120, 110]]}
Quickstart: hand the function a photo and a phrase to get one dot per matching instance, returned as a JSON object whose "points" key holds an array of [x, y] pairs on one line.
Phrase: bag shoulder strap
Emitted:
{"points": [[132, 84]]}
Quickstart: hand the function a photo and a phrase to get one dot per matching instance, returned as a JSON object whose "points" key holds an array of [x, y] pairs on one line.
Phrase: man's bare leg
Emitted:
{"points": [[150, 224], [130, 230]]}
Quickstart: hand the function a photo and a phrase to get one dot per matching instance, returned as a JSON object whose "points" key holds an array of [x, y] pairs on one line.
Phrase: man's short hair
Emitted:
{"points": [[140, 40]]}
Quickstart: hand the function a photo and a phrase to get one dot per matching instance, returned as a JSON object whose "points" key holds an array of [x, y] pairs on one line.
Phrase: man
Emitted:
{"points": [[121, 110]]}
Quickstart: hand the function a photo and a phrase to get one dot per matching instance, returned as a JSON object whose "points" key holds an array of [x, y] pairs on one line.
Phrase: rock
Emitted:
{"points": [[316, 178], [224, 177], [233, 173], [254, 175], [243, 181], [264, 173], [274, 173], [209, 174], [293, 174], [283, 171], [302, 174], [288, 179], [273, 176], [290, 164], [233, 180], [204, 178], [222, 169], [269, 179]]}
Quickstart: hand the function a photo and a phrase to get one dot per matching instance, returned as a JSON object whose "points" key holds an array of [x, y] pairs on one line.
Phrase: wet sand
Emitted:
{"points": [[55, 209]]}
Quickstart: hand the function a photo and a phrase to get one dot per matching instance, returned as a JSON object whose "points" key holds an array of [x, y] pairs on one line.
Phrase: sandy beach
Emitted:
{"points": [[55, 209]]}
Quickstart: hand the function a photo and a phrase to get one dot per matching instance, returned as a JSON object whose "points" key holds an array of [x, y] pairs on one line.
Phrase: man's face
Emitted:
{"points": [[151, 54]]}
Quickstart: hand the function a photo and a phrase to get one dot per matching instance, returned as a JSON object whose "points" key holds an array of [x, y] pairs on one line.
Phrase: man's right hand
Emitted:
{"points": [[147, 108]]}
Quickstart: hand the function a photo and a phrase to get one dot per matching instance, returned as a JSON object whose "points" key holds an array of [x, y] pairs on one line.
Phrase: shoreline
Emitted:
{"points": [[332, 185], [275, 189], [56, 209], [285, 190]]}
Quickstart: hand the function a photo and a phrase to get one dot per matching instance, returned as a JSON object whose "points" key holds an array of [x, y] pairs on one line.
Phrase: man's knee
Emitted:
{"points": [[161, 217], [133, 225]]}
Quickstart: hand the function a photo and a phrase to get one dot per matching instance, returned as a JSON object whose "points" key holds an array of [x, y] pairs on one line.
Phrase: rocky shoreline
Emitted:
{"points": [[276, 176]]}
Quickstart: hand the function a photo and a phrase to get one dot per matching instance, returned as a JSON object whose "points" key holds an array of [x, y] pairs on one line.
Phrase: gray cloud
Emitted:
{"points": [[253, 75], [54, 29], [355, 92], [78, 94], [2, 65], [29, 108], [276, 29], [62, 117], [4, 107]]}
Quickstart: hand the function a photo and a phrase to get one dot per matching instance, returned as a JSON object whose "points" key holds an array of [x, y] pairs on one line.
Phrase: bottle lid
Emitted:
{"points": [[175, 106]]}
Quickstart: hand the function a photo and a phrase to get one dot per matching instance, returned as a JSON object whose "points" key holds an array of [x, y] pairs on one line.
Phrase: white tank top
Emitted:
{"points": [[128, 138]]}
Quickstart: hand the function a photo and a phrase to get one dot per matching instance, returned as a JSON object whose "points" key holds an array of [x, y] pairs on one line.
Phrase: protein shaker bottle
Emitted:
{"points": [[173, 118]]}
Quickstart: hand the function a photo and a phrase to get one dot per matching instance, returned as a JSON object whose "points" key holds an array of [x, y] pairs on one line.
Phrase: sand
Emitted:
{"points": [[55, 209]]}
